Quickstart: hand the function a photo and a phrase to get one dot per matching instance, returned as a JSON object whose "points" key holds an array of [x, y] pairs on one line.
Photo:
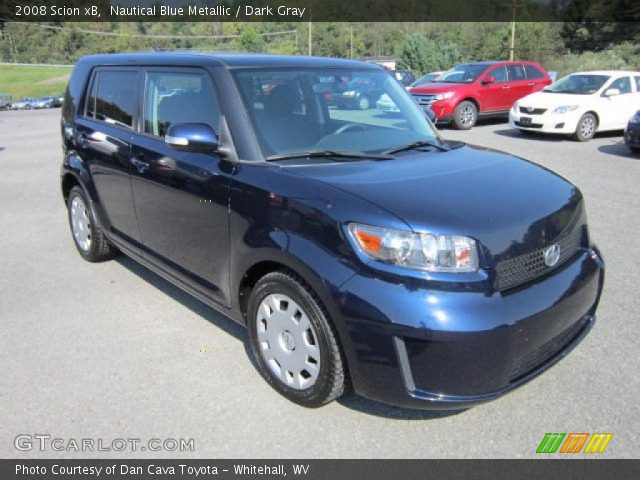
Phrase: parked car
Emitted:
{"points": [[23, 104], [632, 132], [470, 90], [361, 93], [428, 273], [405, 77], [580, 104], [387, 106], [45, 102], [60, 98], [428, 78], [5, 101]]}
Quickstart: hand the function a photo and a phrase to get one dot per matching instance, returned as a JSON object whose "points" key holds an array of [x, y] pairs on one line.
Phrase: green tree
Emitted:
{"points": [[250, 41]]}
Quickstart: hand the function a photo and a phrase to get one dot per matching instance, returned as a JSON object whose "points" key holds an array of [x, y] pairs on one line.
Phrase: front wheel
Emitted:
{"points": [[465, 116], [293, 340], [586, 128], [364, 103], [88, 237]]}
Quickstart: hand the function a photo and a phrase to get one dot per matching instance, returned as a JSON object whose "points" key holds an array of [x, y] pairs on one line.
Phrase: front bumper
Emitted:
{"points": [[412, 346], [546, 123]]}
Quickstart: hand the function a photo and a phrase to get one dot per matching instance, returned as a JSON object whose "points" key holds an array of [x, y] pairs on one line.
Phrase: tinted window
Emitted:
{"points": [[176, 97], [532, 72], [637, 79], [499, 74], [465, 73], [623, 84], [516, 72], [116, 97], [578, 84], [91, 100]]}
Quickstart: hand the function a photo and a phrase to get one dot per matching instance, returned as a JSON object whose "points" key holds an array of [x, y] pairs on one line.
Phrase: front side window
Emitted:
{"points": [[623, 84], [499, 74], [178, 97], [303, 110], [578, 84], [115, 97]]}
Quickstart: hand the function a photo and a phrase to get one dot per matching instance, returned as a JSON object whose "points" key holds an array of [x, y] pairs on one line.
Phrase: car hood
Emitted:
{"points": [[509, 205], [438, 87], [549, 100]]}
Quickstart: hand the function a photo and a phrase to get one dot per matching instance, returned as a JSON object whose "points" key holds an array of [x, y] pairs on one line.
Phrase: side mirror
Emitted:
{"points": [[192, 137], [611, 92], [489, 79]]}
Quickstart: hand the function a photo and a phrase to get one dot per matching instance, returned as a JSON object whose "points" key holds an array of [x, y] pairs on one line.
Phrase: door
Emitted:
{"points": [[536, 80], [617, 109], [182, 198], [518, 83], [495, 96], [103, 136]]}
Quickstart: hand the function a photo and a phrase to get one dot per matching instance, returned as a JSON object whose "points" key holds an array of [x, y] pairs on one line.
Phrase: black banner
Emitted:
{"points": [[320, 10], [320, 469]]}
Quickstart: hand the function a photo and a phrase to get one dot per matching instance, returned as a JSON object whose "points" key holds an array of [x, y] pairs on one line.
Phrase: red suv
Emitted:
{"points": [[470, 90]]}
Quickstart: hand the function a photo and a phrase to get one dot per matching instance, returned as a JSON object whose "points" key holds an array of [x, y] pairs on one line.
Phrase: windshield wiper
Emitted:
{"points": [[328, 153], [411, 146]]}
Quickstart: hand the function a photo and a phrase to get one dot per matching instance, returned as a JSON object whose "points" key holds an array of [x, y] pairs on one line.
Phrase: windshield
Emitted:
{"points": [[580, 84], [429, 77], [311, 110], [465, 73]]}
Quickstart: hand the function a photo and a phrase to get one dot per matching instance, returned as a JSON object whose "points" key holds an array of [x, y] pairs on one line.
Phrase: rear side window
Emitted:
{"points": [[532, 72], [516, 72], [113, 97], [178, 97]]}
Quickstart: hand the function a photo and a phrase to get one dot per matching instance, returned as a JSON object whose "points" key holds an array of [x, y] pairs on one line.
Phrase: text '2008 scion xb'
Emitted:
{"points": [[360, 250]]}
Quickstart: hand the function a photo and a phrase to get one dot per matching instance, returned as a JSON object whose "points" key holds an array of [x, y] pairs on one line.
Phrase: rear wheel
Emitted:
{"points": [[88, 237], [586, 128], [465, 116], [294, 341]]}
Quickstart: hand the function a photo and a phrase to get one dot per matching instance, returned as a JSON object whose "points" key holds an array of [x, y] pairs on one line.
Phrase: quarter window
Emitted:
{"points": [[113, 98], [178, 97], [623, 84], [532, 72], [637, 79]]}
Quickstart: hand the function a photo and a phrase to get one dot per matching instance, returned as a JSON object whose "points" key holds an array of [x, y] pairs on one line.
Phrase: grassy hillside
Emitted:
{"points": [[22, 81]]}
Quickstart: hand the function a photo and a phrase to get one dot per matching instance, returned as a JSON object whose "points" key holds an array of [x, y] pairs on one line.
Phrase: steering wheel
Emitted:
{"points": [[350, 126]]}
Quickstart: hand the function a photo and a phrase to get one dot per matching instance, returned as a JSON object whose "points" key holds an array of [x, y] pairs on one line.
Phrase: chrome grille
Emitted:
{"points": [[535, 111], [425, 100], [524, 268]]}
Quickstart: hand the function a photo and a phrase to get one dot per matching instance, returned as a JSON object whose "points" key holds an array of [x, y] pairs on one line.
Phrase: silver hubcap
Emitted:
{"points": [[587, 127], [80, 224], [467, 116], [287, 342]]}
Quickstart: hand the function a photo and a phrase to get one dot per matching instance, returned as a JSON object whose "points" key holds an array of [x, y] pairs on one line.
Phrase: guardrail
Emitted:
{"points": [[35, 65]]}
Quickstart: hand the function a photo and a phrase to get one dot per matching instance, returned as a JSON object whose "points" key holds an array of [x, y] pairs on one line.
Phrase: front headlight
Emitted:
{"points": [[443, 96], [565, 109], [635, 119], [349, 93], [422, 251]]}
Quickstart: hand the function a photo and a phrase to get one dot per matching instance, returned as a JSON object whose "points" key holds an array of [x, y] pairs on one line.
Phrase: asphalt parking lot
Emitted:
{"points": [[113, 351]]}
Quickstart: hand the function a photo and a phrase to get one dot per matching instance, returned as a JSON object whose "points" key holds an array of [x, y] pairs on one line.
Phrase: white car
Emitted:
{"points": [[580, 104]]}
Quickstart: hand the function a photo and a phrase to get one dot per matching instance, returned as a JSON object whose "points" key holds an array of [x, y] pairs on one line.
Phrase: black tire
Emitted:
{"points": [[586, 128], [331, 380], [99, 248], [465, 115], [364, 103]]}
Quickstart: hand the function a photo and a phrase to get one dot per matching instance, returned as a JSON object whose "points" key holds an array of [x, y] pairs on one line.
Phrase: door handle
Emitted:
{"points": [[139, 163], [504, 87], [531, 84]]}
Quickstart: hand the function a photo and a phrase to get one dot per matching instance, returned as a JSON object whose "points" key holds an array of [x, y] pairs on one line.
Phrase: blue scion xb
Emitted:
{"points": [[360, 250]]}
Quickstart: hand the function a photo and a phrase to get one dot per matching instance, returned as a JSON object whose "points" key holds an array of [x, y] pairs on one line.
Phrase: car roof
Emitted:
{"points": [[229, 60], [606, 72]]}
